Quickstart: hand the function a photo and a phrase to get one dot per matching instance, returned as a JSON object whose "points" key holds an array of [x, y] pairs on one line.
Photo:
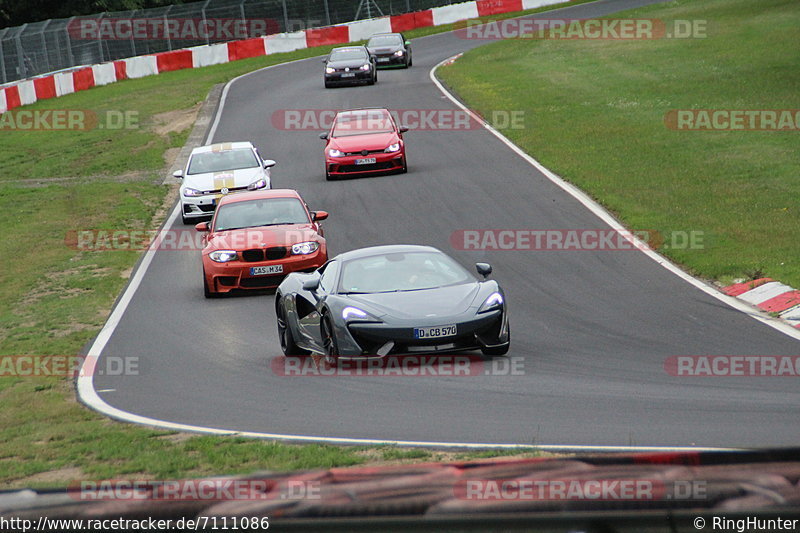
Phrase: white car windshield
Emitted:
{"points": [[261, 212], [203, 162], [401, 271]]}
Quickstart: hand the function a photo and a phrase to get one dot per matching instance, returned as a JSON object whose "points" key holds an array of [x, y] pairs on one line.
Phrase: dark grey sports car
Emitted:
{"points": [[350, 65], [390, 50], [391, 300]]}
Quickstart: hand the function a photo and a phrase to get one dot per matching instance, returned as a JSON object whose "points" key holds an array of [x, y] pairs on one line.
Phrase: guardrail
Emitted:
{"points": [[85, 77]]}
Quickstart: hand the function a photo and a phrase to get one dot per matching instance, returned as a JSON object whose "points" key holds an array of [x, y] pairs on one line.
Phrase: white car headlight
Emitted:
{"points": [[365, 67], [354, 313], [333, 152], [494, 301], [223, 256], [258, 184], [305, 248], [191, 192], [329, 70], [399, 53], [393, 148]]}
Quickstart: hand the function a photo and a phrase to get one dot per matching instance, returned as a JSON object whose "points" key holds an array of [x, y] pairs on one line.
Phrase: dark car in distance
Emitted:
{"points": [[350, 65], [390, 50]]}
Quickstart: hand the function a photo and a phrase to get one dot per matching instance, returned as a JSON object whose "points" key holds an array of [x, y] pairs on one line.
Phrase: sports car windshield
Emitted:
{"points": [[362, 123], [385, 40], [403, 271], [220, 161], [261, 212], [348, 55]]}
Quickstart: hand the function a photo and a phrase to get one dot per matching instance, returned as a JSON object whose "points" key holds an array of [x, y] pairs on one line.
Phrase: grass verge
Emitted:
{"points": [[595, 112], [54, 299]]}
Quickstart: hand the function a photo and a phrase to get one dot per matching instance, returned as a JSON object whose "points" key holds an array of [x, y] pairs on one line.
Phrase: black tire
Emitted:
{"points": [[186, 221], [328, 85], [405, 166], [498, 350], [288, 345], [328, 176], [329, 342], [206, 291]]}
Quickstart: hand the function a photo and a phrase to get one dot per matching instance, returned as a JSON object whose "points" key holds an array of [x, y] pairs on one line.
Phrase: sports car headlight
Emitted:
{"points": [[191, 192], [364, 67], [223, 256], [399, 53], [494, 301], [305, 248], [333, 152], [329, 70], [258, 184], [354, 313], [393, 148]]}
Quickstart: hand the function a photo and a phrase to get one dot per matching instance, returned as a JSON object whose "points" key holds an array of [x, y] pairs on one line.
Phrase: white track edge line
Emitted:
{"points": [[609, 219]]}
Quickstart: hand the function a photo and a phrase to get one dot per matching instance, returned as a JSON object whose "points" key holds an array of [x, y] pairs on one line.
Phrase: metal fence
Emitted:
{"points": [[57, 44]]}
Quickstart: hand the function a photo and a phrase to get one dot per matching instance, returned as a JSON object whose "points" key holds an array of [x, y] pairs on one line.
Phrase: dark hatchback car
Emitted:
{"points": [[390, 50], [348, 65]]}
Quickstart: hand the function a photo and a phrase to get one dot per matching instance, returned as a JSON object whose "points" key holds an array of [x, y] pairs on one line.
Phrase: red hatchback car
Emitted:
{"points": [[256, 238], [364, 141]]}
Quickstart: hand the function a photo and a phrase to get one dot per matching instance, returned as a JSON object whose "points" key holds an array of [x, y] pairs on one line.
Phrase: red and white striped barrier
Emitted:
{"points": [[770, 296], [29, 91]]}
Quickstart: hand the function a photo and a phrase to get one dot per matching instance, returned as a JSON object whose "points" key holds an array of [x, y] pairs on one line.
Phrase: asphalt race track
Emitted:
{"points": [[594, 328]]}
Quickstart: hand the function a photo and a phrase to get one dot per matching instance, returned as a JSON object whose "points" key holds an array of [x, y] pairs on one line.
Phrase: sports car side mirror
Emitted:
{"points": [[325, 59], [323, 136], [484, 269], [403, 129], [203, 226], [312, 284], [269, 163], [178, 174], [319, 215]]}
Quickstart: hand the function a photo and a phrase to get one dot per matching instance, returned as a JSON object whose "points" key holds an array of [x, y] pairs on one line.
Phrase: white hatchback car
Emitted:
{"points": [[215, 170]]}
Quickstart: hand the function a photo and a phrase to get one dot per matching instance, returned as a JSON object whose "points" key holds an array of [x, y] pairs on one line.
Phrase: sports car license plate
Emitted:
{"points": [[367, 161], [264, 270], [435, 332], [349, 75], [383, 60]]}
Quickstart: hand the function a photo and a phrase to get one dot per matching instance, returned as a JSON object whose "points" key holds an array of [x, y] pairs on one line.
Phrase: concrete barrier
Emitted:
{"points": [[214, 54], [453, 13]]}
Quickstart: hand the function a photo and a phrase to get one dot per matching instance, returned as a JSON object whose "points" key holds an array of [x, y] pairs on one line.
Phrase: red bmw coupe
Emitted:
{"points": [[256, 238]]}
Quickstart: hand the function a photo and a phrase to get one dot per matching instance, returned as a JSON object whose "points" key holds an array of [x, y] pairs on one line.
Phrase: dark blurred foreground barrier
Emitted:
{"points": [[645, 492]]}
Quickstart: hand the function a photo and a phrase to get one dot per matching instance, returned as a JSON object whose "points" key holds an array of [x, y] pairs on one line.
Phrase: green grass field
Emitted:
{"points": [[595, 112]]}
